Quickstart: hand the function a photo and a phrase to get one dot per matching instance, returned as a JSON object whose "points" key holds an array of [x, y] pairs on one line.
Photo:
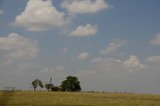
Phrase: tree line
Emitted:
{"points": [[71, 84]]}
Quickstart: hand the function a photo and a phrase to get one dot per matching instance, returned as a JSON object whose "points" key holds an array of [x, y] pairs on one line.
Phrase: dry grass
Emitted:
{"points": [[30, 98]]}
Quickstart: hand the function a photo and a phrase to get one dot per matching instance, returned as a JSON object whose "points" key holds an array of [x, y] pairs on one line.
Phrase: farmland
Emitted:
{"points": [[43, 98]]}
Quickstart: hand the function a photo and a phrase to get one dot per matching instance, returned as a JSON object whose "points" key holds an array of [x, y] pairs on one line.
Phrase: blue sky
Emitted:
{"points": [[109, 45]]}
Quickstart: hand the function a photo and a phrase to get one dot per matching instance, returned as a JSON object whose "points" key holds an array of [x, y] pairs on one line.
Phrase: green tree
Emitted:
{"points": [[48, 86], [71, 84], [41, 84], [37, 83]]}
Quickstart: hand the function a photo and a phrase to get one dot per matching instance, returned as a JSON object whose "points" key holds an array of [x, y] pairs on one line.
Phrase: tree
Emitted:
{"points": [[71, 84], [41, 84], [56, 88], [37, 83], [48, 86]]}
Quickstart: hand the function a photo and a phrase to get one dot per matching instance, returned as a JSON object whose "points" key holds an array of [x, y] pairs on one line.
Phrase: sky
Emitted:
{"points": [[110, 45]]}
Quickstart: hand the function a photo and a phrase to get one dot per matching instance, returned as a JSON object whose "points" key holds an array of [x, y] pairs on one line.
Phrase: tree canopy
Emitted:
{"points": [[71, 84], [37, 83], [49, 86]]}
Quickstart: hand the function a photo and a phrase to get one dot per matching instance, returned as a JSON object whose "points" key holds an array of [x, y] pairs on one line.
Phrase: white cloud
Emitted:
{"points": [[87, 30], [1, 12], [65, 50], [83, 56], [114, 45], [58, 70], [154, 59], [133, 63], [113, 75], [40, 15], [105, 61], [84, 6], [156, 39], [22, 68], [15, 46], [58, 73], [129, 65], [61, 68], [86, 72]]}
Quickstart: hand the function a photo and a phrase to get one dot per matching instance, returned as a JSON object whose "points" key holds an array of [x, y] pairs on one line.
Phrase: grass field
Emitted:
{"points": [[39, 98]]}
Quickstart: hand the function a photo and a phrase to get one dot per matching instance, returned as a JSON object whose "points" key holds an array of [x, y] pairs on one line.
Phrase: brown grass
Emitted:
{"points": [[41, 98]]}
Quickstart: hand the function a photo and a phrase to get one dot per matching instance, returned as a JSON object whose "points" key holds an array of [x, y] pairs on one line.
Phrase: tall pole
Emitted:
{"points": [[50, 80]]}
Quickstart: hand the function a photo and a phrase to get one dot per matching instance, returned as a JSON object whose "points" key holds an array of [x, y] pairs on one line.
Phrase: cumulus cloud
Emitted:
{"points": [[156, 39], [40, 15], [1, 12], [84, 6], [133, 63], [114, 45], [83, 56], [154, 59], [115, 74], [15, 46], [87, 30]]}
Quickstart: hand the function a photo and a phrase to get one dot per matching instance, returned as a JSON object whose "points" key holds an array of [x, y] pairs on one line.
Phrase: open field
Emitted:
{"points": [[41, 98]]}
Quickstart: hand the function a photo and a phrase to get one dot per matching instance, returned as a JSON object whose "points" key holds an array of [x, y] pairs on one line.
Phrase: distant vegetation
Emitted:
{"points": [[73, 98], [37, 83], [70, 84]]}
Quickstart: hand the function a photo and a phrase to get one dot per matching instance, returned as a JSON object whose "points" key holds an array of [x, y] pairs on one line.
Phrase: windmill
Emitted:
{"points": [[50, 81]]}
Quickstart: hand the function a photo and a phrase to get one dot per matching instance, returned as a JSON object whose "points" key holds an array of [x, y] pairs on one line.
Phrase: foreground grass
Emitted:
{"points": [[30, 98]]}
